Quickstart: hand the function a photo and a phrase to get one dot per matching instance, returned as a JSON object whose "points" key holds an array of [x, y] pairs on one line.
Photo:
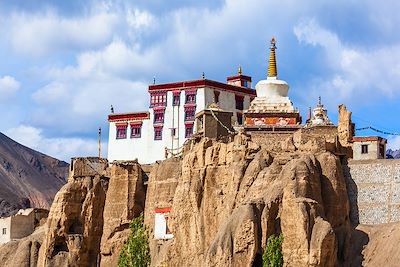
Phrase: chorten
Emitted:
{"points": [[319, 116], [272, 109]]}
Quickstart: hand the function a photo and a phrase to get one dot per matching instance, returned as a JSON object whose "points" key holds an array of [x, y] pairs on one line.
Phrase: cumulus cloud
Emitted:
{"points": [[8, 87], [61, 148], [354, 70]]}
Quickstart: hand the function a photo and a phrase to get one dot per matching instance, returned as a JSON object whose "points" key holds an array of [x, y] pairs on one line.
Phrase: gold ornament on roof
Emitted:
{"points": [[272, 70], [240, 70]]}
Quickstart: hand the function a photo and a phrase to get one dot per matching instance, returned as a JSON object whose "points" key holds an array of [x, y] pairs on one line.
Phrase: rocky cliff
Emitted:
{"points": [[231, 196], [226, 199], [28, 178]]}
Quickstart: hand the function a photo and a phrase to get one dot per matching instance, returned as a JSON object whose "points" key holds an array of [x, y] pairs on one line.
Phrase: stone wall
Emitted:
{"points": [[374, 190], [22, 225]]}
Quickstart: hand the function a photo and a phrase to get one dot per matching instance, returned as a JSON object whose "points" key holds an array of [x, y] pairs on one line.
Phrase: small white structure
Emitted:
{"points": [[161, 230], [17, 226], [155, 134], [369, 147], [319, 116]]}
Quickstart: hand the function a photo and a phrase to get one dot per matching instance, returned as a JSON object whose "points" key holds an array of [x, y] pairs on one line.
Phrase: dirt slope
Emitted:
{"points": [[28, 178]]}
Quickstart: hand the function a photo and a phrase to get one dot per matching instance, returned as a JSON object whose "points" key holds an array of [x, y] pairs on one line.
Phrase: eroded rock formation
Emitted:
{"points": [[231, 197], [75, 222], [124, 201]]}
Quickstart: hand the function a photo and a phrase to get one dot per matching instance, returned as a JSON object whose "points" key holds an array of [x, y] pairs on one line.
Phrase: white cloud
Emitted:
{"points": [[8, 87], [62, 148], [354, 71]]}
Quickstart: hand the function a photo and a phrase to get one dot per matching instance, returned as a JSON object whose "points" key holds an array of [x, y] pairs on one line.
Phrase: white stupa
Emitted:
{"points": [[319, 116], [272, 105]]}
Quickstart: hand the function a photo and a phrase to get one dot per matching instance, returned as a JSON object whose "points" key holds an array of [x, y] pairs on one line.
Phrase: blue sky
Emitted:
{"points": [[63, 63]]}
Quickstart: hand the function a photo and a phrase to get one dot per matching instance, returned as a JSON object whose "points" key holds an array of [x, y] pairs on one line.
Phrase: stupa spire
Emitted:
{"points": [[272, 71]]}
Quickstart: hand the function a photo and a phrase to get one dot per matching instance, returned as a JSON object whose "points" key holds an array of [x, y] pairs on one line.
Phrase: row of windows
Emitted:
{"points": [[190, 114], [160, 99], [137, 129]]}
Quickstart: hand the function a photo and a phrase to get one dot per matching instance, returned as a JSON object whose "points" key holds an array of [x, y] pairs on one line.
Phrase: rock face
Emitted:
{"points": [[124, 201], [28, 178], [231, 197], [23, 252], [75, 222]]}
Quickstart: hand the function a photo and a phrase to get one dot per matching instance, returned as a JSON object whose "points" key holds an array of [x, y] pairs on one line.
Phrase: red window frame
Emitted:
{"points": [[188, 130], [121, 131], [158, 99], [190, 113], [158, 116], [157, 133], [190, 97], [176, 98], [136, 130]]}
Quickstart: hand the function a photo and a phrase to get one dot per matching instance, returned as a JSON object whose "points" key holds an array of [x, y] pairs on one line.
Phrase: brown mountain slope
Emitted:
{"points": [[28, 178]]}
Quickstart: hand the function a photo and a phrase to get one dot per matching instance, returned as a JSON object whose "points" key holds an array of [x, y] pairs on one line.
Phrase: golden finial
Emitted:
{"points": [[240, 70], [272, 70]]}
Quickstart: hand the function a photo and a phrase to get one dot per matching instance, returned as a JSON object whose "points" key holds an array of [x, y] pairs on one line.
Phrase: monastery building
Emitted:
{"points": [[163, 129]]}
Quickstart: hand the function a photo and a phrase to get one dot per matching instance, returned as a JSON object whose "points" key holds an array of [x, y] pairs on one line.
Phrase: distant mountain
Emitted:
{"points": [[393, 154], [27, 178]]}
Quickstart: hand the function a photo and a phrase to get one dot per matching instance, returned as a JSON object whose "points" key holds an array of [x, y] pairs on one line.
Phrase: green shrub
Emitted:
{"points": [[136, 251], [273, 252]]}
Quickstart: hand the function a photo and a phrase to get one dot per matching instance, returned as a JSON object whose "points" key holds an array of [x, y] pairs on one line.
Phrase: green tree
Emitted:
{"points": [[136, 251], [273, 256]]}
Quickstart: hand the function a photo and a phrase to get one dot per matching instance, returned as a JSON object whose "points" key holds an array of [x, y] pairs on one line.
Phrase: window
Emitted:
{"points": [[216, 96], [173, 132], [190, 97], [190, 113], [239, 117], [188, 130], [157, 133], [176, 99], [159, 116], [136, 130], [239, 102], [158, 99], [364, 149], [245, 83], [121, 131], [4, 231], [161, 221]]}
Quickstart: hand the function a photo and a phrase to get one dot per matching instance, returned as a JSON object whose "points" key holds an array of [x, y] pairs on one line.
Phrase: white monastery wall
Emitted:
{"points": [[129, 148], [5, 223]]}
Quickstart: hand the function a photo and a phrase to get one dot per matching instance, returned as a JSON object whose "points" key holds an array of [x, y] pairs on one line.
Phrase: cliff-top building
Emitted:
{"points": [[170, 120]]}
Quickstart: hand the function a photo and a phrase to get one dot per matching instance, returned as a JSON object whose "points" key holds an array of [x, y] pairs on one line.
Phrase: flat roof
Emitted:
{"points": [[201, 83], [368, 139], [129, 116]]}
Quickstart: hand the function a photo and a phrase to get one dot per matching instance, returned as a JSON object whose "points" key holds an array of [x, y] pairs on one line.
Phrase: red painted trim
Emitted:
{"points": [[239, 77], [158, 108], [162, 210], [129, 116], [189, 123], [201, 83], [122, 125], [136, 123]]}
